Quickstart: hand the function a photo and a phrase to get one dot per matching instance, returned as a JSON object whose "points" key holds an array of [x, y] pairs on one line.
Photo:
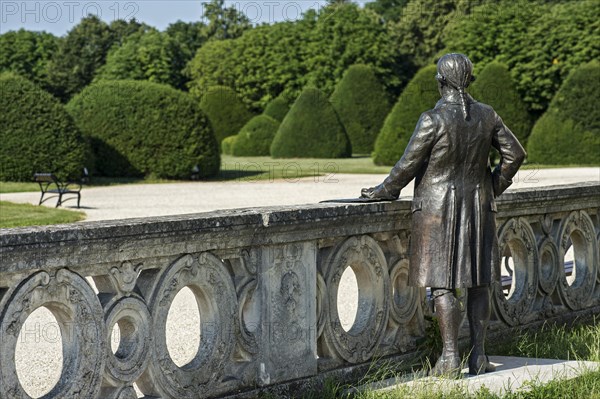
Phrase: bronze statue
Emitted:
{"points": [[454, 242]]}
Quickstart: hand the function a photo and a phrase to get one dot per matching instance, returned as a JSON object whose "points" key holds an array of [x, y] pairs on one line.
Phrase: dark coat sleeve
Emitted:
{"points": [[416, 153], [512, 156]]}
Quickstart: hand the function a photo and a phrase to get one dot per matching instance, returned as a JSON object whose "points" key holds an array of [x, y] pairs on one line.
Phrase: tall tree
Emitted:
{"points": [[390, 10], [27, 53], [540, 46], [82, 51], [224, 22]]}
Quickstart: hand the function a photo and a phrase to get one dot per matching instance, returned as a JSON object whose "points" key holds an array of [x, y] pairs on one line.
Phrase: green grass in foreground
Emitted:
{"points": [[581, 342], [14, 215]]}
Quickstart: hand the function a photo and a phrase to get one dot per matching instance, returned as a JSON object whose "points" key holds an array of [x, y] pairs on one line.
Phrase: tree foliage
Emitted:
{"points": [[569, 131], [494, 86], [311, 129], [224, 22], [27, 54], [390, 10], [419, 31], [540, 42], [256, 137], [224, 109], [82, 51], [150, 55], [420, 95], [45, 139], [362, 105], [143, 128], [285, 57]]}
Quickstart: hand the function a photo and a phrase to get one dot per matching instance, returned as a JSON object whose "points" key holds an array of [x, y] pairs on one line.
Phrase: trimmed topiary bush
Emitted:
{"points": [[362, 105], [226, 112], [569, 132], [256, 137], [311, 129], [36, 133], [227, 144], [421, 94], [494, 86], [278, 108], [141, 128]]}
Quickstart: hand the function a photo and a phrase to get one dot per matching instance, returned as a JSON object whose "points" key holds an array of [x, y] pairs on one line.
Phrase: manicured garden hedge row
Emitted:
{"points": [[36, 133], [311, 129], [256, 137], [140, 128], [420, 95], [362, 105], [569, 132], [494, 86], [226, 112]]}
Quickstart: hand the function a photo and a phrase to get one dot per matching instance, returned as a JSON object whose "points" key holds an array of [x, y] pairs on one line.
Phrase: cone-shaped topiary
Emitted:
{"points": [[227, 144], [226, 112], [256, 137], [420, 95], [37, 133], [494, 86], [278, 108], [362, 105], [141, 128], [569, 131], [311, 129]]}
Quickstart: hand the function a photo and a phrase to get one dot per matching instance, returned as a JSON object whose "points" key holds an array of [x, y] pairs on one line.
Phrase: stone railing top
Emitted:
{"points": [[262, 217]]}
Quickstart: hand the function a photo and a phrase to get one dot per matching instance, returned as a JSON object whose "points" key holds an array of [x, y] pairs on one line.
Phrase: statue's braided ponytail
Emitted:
{"points": [[456, 70]]}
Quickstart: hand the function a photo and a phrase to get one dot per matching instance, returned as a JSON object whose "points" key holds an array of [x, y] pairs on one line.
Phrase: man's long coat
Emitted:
{"points": [[454, 241]]}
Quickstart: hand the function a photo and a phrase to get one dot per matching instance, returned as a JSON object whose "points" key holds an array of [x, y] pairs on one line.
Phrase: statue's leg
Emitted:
{"points": [[447, 309], [478, 312]]}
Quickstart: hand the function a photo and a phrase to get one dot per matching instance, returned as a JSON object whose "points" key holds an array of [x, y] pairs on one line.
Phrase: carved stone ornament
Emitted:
{"points": [[79, 314], [578, 229], [368, 262], [517, 234], [215, 294]]}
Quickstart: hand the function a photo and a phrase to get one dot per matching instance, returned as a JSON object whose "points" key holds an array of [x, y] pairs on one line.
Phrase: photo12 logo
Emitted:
{"points": [[71, 11]]}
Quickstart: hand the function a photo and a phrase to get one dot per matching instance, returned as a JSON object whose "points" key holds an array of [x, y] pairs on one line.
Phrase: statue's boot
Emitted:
{"points": [[478, 312], [447, 309]]}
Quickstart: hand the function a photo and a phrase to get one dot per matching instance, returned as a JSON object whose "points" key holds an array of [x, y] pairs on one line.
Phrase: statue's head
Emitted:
{"points": [[455, 70]]}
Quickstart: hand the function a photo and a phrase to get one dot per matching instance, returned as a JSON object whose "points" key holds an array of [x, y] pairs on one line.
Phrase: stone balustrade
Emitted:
{"points": [[266, 283]]}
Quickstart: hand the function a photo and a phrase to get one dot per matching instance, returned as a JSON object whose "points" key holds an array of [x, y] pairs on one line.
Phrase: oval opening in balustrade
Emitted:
{"points": [[513, 278], [39, 353], [574, 259], [347, 299], [123, 338], [183, 328]]}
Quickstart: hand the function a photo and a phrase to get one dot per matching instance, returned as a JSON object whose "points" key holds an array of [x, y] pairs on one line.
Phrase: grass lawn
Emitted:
{"points": [[581, 342], [14, 215]]}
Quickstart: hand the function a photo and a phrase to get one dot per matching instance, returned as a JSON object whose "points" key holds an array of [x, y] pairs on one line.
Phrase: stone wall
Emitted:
{"points": [[266, 283]]}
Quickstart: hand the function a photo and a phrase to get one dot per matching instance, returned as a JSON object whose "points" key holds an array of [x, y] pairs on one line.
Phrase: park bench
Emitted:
{"points": [[49, 184]]}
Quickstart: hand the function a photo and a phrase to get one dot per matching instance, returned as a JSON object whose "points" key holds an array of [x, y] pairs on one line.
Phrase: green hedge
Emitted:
{"points": [[494, 86], [569, 132], [278, 108], [141, 128], [420, 95], [362, 105], [36, 133], [226, 112], [311, 129], [256, 137], [227, 144]]}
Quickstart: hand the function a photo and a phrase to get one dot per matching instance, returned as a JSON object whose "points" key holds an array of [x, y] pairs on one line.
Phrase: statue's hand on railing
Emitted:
{"points": [[377, 193]]}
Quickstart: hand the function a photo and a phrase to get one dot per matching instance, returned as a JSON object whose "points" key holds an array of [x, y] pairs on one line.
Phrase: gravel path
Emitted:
{"points": [[39, 356], [139, 200]]}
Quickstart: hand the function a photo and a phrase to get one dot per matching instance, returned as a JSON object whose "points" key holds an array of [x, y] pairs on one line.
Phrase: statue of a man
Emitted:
{"points": [[454, 242]]}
